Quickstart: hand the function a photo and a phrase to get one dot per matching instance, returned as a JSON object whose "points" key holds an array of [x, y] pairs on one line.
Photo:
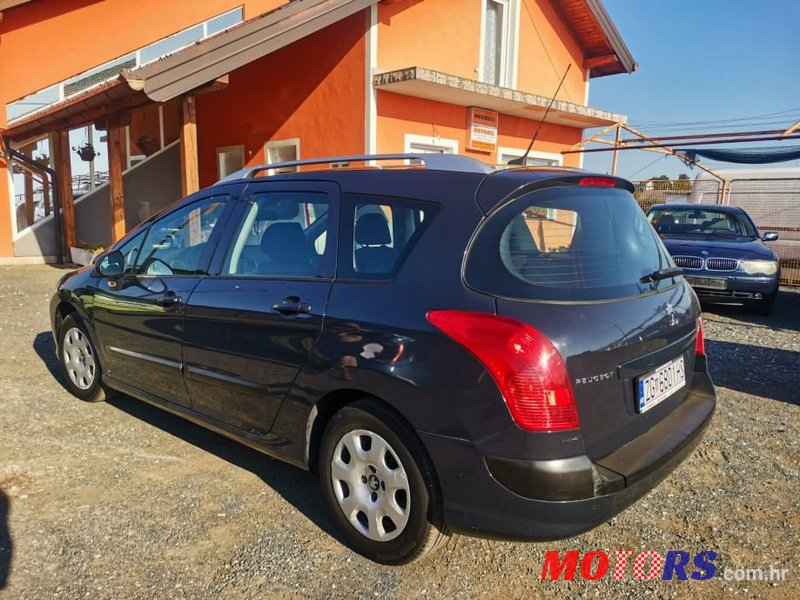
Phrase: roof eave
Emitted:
{"points": [[626, 62]]}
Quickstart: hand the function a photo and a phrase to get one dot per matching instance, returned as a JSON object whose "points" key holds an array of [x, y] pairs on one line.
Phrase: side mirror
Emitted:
{"points": [[111, 264], [770, 236]]}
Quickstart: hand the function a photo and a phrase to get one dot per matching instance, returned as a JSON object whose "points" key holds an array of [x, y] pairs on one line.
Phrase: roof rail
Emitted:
{"points": [[432, 160]]}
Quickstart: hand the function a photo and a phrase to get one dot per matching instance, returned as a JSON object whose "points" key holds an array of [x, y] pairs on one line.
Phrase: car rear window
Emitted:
{"points": [[567, 244]]}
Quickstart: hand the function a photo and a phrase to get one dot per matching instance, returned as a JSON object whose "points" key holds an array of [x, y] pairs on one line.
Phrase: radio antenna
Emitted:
{"points": [[521, 160]]}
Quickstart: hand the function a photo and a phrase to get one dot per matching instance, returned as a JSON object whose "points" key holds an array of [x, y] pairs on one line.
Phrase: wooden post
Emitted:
{"points": [[30, 207], [46, 194], [63, 168], [117, 194], [190, 174], [615, 156]]}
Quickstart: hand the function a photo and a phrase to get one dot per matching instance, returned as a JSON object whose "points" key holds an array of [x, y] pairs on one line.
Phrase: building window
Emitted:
{"points": [[280, 151], [229, 160], [426, 144], [534, 159], [500, 26]]}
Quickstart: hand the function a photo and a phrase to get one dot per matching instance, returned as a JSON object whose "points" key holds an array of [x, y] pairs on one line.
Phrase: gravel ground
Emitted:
{"points": [[122, 500]]}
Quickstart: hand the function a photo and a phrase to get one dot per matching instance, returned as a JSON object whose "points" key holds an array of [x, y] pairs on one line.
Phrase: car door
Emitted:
{"points": [[250, 325], [138, 317]]}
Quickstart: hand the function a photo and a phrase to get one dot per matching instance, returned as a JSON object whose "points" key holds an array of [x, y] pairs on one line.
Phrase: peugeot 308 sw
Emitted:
{"points": [[503, 352]]}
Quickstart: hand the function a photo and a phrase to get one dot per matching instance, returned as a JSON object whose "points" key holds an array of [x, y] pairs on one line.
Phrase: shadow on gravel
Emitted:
{"points": [[45, 348], [6, 545], [766, 372], [297, 486]]}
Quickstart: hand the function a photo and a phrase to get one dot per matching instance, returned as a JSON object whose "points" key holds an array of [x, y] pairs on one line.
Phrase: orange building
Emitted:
{"points": [[114, 109]]}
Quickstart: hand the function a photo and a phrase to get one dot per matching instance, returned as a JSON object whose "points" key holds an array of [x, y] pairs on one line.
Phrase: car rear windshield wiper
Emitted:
{"points": [[662, 274]]}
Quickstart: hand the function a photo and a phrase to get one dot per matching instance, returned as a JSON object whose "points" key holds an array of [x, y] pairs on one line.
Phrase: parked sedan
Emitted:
{"points": [[721, 252], [505, 353]]}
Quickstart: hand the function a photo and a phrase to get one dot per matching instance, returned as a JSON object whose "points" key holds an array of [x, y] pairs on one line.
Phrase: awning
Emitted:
{"points": [[750, 156], [434, 85], [189, 69], [209, 59]]}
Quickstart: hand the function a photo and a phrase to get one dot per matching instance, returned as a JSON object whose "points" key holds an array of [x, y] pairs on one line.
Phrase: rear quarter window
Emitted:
{"points": [[382, 232], [566, 244]]}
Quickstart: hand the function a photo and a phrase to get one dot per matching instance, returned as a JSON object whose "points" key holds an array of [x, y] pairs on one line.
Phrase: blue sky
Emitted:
{"points": [[702, 61]]}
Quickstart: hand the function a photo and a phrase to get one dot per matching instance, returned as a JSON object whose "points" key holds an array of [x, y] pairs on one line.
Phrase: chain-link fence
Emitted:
{"points": [[773, 204]]}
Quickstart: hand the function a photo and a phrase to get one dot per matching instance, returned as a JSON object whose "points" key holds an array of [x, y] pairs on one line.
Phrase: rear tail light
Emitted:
{"points": [[525, 365], [598, 181], [700, 344]]}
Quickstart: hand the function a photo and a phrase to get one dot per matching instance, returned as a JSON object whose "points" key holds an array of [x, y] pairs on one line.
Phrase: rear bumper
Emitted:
{"points": [[553, 499]]}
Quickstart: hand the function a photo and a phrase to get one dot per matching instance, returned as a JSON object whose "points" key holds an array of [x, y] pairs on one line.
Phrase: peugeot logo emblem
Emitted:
{"points": [[669, 309]]}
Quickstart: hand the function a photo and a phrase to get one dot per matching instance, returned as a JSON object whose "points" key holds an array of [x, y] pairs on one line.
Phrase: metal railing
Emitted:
{"points": [[42, 199]]}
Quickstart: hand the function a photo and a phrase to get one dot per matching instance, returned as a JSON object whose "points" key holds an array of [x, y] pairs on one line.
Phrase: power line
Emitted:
{"points": [[647, 166], [712, 121]]}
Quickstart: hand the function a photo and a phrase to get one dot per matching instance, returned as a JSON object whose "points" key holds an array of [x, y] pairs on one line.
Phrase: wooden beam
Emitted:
{"points": [[190, 173], [791, 129], [59, 142], [30, 207], [615, 156], [117, 195], [599, 61]]}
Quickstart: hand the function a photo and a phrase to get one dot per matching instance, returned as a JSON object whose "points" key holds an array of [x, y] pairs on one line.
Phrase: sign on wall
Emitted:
{"points": [[482, 125]]}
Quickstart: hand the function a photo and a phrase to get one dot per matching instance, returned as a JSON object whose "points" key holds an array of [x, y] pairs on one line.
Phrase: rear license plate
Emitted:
{"points": [[659, 384], [713, 283]]}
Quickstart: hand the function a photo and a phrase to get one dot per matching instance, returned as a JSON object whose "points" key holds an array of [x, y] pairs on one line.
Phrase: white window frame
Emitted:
{"points": [[225, 149], [285, 143], [518, 152], [509, 61], [429, 144]]}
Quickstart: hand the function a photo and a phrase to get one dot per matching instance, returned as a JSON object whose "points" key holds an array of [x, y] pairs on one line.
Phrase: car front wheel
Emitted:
{"points": [[379, 485], [80, 364]]}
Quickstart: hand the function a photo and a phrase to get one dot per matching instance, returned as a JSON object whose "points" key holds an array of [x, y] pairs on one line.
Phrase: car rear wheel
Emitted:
{"points": [[80, 364], [379, 486]]}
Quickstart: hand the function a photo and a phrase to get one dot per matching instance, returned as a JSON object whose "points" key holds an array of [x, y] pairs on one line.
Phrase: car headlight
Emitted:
{"points": [[760, 267]]}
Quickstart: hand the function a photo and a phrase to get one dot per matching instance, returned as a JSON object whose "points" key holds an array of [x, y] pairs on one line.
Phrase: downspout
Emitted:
{"points": [[35, 166]]}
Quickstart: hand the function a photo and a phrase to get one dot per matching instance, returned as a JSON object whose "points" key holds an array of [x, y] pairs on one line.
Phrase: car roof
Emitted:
{"points": [[409, 179]]}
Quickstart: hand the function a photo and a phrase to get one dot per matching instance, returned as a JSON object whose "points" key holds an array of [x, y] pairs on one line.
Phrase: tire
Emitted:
{"points": [[372, 466], [79, 362], [766, 306]]}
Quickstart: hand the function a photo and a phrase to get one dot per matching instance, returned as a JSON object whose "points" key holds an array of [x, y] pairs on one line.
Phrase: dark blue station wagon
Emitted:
{"points": [[505, 353]]}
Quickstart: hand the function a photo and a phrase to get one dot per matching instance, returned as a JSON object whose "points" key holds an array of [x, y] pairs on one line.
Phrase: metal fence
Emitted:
{"points": [[773, 204]]}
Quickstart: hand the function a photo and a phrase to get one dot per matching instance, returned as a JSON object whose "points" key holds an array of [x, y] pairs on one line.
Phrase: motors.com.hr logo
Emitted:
{"points": [[645, 566], [649, 565]]}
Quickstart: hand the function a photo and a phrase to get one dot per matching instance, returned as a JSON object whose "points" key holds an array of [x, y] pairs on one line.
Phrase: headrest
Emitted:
{"points": [[284, 242], [276, 207], [372, 230], [665, 224]]}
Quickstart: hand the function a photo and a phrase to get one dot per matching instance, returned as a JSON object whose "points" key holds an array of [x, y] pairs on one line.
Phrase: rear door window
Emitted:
{"points": [[567, 243], [384, 230], [282, 234]]}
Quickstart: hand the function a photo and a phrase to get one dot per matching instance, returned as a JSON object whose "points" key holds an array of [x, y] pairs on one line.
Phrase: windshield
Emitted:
{"points": [[705, 222]]}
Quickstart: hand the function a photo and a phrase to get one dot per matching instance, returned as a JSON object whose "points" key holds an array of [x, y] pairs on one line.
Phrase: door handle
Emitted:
{"points": [[169, 299], [292, 305]]}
